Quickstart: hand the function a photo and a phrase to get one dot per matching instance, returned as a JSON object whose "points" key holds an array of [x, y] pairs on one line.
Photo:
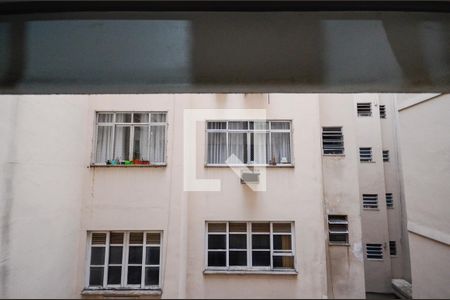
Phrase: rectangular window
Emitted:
{"points": [[338, 229], [130, 138], [392, 248], [250, 246], [130, 260], [332, 140], [370, 201], [365, 154], [364, 109], [389, 200], [374, 251], [385, 155], [249, 142], [383, 111]]}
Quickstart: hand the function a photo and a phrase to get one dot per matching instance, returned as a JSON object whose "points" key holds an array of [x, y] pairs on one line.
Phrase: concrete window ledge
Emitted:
{"points": [[120, 292], [127, 166], [402, 288], [249, 272]]}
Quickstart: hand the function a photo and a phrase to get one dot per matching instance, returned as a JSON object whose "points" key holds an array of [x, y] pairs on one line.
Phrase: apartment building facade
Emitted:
{"points": [[113, 195]]}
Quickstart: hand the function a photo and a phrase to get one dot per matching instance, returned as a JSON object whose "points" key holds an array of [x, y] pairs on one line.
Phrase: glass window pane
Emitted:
{"points": [[282, 227], [217, 259], [104, 147], [98, 238], [237, 148], [282, 242], [135, 255], [115, 255], [281, 125], [114, 275], [105, 118], [116, 238], [234, 125], [140, 117], [97, 255], [96, 276], [136, 238], [122, 143], [238, 227], [260, 147], [152, 256], [140, 143], [153, 238], [281, 147], [217, 241], [261, 241], [217, 125], [134, 275], [238, 241], [260, 227], [123, 118], [157, 144], [151, 276], [217, 227], [283, 262], [217, 147], [261, 258], [158, 117], [238, 258]]}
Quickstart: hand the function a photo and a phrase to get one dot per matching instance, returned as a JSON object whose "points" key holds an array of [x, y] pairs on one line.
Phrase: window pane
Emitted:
{"points": [[96, 276], [217, 227], [217, 147], [281, 125], [115, 255], [104, 150], [151, 276], [135, 255], [217, 125], [237, 147], [157, 144], [140, 117], [260, 125], [217, 241], [281, 147], [158, 117], [152, 256], [97, 255], [123, 118], [114, 275], [98, 238], [140, 143], [238, 241], [153, 238], [260, 147], [105, 118], [136, 238], [261, 258], [282, 242], [282, 227], [217, 259], [238, 125], [122, 143], [260, 227], [134, 275], [238, 227], [116, 238], [283, 262], [261, 241], [238, 258]]}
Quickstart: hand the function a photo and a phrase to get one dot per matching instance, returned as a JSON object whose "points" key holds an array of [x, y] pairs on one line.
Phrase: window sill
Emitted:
{"points": [[367, 162], [250, 272], [333, 155], [121, 292], [371, 209], [127, 166], [251, 166], [338, 244]]}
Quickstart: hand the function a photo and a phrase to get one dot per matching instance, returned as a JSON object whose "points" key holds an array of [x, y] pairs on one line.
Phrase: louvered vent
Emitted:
{"points": [[364, 109], [98, 238], [338, 229], [365, 154], [382, 111], [389, 200], [385, 155], [332, 140], [392, 248], [370, 201], [374, 251]]}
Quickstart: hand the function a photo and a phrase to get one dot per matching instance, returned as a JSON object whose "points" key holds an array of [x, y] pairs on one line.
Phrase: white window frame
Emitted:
{"points": [[269, 130], [132, 125], [345, 233], [249, 233], [124, 276]]}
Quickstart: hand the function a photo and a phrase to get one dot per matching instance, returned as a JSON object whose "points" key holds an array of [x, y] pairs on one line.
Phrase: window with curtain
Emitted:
{"points": [[248, 142], [130, 138]]}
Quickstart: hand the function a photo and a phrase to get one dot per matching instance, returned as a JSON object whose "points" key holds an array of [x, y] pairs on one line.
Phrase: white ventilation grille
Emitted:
{"points": [[385, 155], [389, 200], [364, 109], [365, 154], [332, 140], [338, 229], [383, 111], [392, 248], [374, 251], [370, 201]]}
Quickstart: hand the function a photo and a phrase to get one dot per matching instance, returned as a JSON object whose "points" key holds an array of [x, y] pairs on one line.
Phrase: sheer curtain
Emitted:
{"points": [[141, 143], [104, 149], [237, 146], [261, 147], [281, 147], [217, 147], [122, 143], [157, 144]]}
